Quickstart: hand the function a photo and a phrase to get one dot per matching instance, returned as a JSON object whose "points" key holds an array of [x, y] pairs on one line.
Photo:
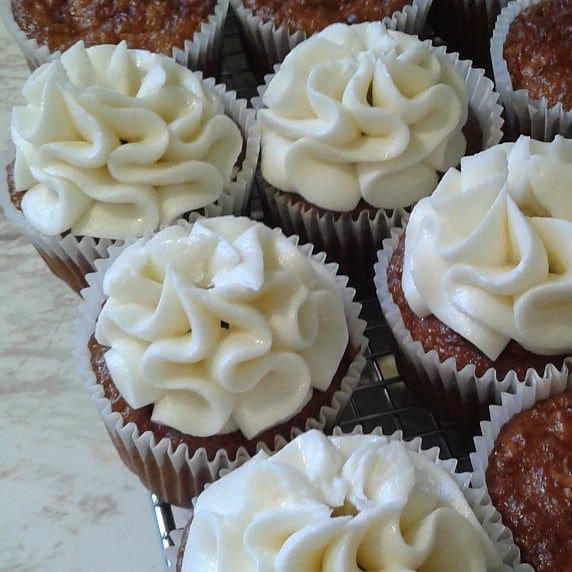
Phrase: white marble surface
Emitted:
{"points": [[67, 503]]}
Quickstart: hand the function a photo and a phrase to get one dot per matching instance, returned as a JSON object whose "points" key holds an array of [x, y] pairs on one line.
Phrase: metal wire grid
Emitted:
{"points": [[381, 397]]}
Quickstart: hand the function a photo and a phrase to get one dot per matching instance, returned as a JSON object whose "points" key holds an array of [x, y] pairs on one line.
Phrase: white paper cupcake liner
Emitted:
{"points": [[201, 52], [458, 394], [524, 115], [176, 475], [266, 45], [71, 257], [524, 397], [466, 26], [476, 497], [353, 242]]}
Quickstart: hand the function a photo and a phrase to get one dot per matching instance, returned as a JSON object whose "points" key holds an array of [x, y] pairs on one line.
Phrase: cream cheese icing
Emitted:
{"points": [[490, 252], [362, 112], [221, 325], [337, 504], [112, 142]]}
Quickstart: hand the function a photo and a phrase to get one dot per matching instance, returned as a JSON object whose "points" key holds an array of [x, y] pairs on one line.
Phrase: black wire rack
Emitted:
{"points": [[381, 398]]}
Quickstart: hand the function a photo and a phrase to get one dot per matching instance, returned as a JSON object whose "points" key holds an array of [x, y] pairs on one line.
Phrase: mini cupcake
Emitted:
{"points": [[209, 341], [190, 31], [524, 459], [479, 293], [113, 142], [530, 51], [357, 124], [465, 26], [269, 29], [344, 502]]}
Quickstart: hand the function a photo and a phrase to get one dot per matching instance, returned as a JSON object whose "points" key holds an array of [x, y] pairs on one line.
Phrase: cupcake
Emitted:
{"points": [[206, 342], [111, 143], [477, 290], [465, 26], [357, 124], [190, 31], [524, 458], [269, 29], [530, 51], [345, 502]]}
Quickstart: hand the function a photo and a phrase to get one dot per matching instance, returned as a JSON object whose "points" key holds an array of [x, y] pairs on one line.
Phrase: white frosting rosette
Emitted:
{"points": [[113, 142], [224, 326], [346, 502], [488, 255], [524, 115], [362, 117], [266, 44], [201, 52]]}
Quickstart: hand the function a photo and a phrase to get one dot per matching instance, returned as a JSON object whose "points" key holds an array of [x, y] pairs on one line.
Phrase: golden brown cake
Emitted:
{"points": [[529, 479], [155, 25], [537, 52], [314, 15]]}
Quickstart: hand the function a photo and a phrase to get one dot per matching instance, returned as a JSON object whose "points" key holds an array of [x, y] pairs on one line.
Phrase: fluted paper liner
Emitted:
{"points": [[523, 398], [353, 242], [455, 394], [71, 257], [476, 497], [466, 25], [201, 52], [524, 115], [177, 475], [266, 45]]}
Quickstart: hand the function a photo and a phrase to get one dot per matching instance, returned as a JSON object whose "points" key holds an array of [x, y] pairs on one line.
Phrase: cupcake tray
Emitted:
{"points": [[381, 398]]}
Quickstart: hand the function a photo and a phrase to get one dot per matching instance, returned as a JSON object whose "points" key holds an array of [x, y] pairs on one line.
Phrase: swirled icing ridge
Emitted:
{"points": [[113, 142], [221, 327], [362, 112], [489, 253]]}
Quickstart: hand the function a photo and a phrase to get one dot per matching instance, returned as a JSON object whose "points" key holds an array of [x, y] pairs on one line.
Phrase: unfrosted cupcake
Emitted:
{"points": [[530, 51], [479, 293], [112, 142], [340, 503], [190, 31], [524, 459], [270, 29], [358, 123], [208, 341]]}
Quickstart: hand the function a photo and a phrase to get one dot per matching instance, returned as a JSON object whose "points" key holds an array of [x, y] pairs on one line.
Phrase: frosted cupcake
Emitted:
{"points": [[269, 29], [357, 124], [340, 503], [530, 51], [191, 31], [479, 293], [207, 342], [524, 459], [113, 142]]}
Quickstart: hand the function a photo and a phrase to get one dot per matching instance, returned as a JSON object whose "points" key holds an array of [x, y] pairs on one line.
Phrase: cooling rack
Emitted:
{"points": [[381, 398]]}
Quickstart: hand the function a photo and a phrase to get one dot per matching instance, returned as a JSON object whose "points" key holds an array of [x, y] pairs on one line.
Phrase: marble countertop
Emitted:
{"points": [[67, 503]]}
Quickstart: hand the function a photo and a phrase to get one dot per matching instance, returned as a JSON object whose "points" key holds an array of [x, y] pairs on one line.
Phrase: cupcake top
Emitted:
{"points": [[310, 16], [537, 51], [337, 504], [156, 26], [362, 112], [221, 325], [488, 253], [529, 479], [112, 142]]}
